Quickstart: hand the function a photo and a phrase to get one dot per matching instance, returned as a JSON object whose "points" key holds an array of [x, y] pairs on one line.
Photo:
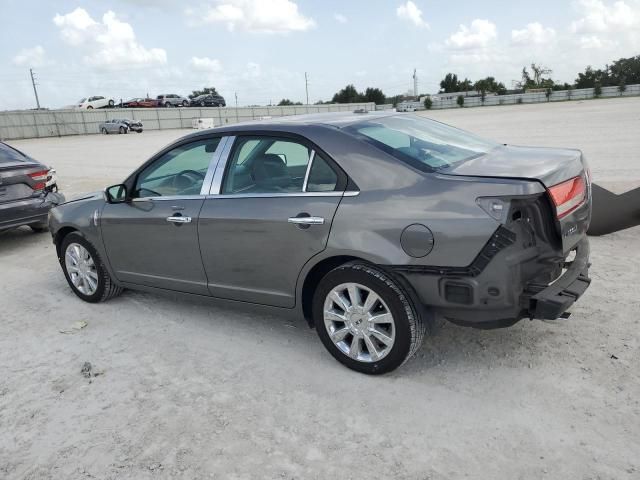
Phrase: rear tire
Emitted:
{"points": [[104, 131], [382, 320], [185, 103], [111, 103], [123, 130], [89, 107], [93, 267]]}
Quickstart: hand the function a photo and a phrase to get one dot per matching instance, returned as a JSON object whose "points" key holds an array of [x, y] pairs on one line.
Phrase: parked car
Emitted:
{"points": [[28, 190], [95, 102], [171, 100], [208, 101], [139, 103], [369, 225], [120, 126]]}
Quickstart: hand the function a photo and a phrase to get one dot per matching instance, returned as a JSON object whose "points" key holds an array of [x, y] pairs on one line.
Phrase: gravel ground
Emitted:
{"points": [[188, 390]]}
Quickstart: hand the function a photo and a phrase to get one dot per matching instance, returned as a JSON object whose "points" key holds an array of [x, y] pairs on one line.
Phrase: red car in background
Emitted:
{"points": [[140, 103]]}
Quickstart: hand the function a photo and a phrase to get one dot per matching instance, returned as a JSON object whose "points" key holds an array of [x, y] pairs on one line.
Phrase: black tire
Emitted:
{"points": [[168, 105], [139, 131], [409, 326], [202, 104], [123, 130], [104, 131], [106, 288], [89, 107], [185, 103], [111, 103]]}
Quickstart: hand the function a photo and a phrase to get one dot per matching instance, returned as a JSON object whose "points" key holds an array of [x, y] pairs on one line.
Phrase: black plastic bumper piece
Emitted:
{"points": [[553, 301]]}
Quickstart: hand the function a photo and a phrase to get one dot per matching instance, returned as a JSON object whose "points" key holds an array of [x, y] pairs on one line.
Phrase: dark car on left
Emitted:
{"points": [[28, 190]]}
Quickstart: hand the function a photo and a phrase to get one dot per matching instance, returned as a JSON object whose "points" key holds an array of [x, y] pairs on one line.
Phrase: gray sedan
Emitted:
{"points": [[372, 226], [120, 126]]}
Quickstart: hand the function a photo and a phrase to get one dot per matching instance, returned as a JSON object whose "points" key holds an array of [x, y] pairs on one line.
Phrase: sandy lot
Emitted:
{"points": [[195, 391]]}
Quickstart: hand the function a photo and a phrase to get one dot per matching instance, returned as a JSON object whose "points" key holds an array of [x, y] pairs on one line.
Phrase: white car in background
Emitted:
{"points": [[95, 102]]}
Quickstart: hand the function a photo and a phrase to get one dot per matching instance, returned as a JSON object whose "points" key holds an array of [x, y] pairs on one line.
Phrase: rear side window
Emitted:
{"points": [[10, 155], [322, 178]]}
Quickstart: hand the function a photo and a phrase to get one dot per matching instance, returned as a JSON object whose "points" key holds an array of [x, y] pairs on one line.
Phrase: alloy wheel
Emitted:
{"points": [[359, 322], [81, 269]]}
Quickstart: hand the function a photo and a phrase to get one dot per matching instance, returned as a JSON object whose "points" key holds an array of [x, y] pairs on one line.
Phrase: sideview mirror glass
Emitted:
{"points": [[116, 193]]}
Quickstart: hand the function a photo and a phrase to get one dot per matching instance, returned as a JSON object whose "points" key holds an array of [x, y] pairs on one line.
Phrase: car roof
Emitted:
{"points": [[296, 122]]}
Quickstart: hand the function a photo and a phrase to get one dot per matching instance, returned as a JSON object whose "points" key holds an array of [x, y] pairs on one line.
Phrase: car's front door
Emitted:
{"points": [[152, 239], [268, 215]]}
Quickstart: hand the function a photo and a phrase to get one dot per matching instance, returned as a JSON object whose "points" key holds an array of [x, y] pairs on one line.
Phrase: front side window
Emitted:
{"points": [[425, 144], [275, 165], [180, 171]]}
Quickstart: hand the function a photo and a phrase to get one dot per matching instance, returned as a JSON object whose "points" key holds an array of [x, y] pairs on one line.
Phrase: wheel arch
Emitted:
{"points": [[59, 236], [313, 277]]}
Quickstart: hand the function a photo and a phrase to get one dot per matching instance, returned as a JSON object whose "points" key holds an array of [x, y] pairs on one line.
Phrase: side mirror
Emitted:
{"points": [[116, 193]]}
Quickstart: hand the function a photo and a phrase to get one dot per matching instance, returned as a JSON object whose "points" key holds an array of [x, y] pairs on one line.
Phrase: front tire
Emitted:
{"points": [[366, 319], [123, 130], [85, 271], [104, 131]]}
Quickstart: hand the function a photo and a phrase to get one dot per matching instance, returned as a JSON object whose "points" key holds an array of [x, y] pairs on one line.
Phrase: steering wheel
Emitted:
{"points": [[186, 179]]}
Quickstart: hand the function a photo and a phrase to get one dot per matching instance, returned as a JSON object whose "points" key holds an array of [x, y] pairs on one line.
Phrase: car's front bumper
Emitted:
{"points": [[28, 211]]}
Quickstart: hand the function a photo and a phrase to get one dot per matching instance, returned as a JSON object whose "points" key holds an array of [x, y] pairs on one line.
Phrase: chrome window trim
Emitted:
{"points": [[283, 195], [312, 155], [169, 197], [215, 159], [216, 184]]}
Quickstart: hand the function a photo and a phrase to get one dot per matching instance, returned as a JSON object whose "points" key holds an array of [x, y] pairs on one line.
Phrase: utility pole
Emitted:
{"points": [[35, 90], [236, 94], [415, 83], [306, 86]]}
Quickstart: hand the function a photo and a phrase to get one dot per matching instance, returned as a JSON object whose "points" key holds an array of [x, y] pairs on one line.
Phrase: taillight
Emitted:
{"points": [[569, 195], [40, 178]]}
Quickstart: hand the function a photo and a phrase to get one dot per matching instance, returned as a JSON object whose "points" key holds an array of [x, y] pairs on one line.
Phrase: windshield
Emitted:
{"points": [[82, 100], [425, 144]]}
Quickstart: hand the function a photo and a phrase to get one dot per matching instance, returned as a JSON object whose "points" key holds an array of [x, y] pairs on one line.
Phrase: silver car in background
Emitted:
{"points": [[120, 126], [372, 226]]}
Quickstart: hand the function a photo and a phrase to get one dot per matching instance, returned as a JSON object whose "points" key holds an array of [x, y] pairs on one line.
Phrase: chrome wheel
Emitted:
{"points": [[81, 269], [359, 322]]}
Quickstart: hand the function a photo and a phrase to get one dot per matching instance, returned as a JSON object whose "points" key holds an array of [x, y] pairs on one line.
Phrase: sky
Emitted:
{"points": [[260, 50]]}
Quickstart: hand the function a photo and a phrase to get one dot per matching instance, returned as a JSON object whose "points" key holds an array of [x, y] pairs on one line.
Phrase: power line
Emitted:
{"points": [[306, 86], [35, 90]]}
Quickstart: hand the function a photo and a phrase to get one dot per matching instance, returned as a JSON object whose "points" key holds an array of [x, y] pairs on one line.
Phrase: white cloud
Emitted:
{"points": [[31, 57], [479, 35], [340, 18], [600, 17], [411, 13], [108, 43], [533, 34], [205, 64], [257, 16]]}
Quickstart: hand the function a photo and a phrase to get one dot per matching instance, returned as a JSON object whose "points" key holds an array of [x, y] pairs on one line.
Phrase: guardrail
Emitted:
{"points": [[56, 123]]}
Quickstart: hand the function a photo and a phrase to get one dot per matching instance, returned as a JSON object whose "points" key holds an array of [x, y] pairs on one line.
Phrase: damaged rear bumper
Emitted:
{"points": [[548, 302]]}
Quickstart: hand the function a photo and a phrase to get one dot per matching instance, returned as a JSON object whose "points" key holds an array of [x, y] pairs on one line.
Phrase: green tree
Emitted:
{"points": [[374, 95], [428, 103], [622, 86], [286, 102], [465, 85], [348, 94], [204, 91], [460, 100], [597, 89], [450, 83]]}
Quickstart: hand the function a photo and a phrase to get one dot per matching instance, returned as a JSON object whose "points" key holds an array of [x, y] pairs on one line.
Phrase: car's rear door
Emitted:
{"points": [[152, 240], [270, 210]]}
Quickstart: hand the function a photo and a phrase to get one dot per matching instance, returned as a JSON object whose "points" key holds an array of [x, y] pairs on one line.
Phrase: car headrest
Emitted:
{"points": [[270, 172]]}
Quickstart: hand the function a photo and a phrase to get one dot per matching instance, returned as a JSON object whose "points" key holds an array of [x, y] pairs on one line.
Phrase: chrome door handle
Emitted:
{"points": [[179, 219], [306, 220]]}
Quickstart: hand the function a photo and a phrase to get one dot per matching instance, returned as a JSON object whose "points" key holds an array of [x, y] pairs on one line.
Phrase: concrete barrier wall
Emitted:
{"points": [[556, 96], [55, 123]]}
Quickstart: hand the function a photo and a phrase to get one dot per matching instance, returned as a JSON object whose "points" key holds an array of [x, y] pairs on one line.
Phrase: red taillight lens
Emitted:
{"points": [[569, 195], [40, 178]]}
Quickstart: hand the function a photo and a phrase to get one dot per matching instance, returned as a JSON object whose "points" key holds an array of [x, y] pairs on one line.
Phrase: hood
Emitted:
{"points": [[547, 165]]}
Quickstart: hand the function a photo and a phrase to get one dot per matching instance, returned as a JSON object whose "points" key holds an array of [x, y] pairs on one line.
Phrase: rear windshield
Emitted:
{"points": [[10, 155], [425, 144]]}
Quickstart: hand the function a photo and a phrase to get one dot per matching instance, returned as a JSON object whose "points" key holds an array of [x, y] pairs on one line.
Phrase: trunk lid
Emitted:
{"points": [[549, 166], [15, 182]]}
